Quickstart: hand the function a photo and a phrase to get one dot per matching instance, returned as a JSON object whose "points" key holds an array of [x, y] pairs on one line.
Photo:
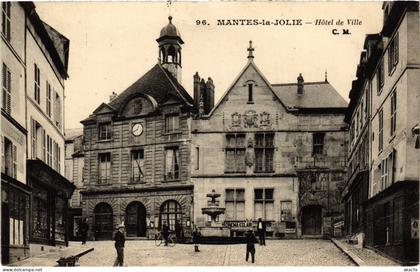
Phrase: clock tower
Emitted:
{"points": [[170, 49]]}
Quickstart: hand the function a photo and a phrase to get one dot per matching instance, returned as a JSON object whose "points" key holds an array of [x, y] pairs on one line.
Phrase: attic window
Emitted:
{"points": [[250, 93]]}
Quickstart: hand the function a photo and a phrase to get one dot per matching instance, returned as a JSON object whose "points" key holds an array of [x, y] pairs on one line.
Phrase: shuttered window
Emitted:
{"points": [[7, 89], [6, 19], [37, 84]]}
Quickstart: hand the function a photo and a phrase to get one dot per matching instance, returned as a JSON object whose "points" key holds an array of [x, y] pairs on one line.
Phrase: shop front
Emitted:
{"points": [[49, 205], [15, 220]]}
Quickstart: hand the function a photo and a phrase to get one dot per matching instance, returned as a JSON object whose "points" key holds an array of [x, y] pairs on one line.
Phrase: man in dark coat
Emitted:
{"points": [[165, 232], [178, 231], [196, 238], [261, 231], [250, 245], [119, 246], [84, 227]]}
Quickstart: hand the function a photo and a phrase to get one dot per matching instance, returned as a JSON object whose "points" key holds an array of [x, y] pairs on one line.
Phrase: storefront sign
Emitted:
{"points": [[414, 228], [237, 224]]}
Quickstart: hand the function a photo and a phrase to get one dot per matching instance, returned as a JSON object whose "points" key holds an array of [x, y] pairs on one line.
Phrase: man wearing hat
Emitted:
{"points": [[119, 245]]}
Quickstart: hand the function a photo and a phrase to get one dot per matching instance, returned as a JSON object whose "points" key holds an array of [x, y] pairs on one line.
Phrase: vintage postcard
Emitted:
{"points": [[210, 134]]}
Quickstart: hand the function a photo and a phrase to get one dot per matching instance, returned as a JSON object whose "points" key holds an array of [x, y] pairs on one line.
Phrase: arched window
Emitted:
{"points": [[171, 54], [170, 212]]}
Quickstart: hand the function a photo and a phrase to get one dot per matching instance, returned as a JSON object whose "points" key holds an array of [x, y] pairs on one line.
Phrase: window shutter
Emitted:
{"points": [[43, 143], [3, 162], [9, 95], [14, 159]]}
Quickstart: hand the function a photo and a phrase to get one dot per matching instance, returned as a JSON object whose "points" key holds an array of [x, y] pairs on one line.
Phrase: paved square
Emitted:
{"points": [[276, 253]]}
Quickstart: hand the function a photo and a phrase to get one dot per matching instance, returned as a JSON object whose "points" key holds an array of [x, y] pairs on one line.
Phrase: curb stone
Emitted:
{"points": [[351, 255]]}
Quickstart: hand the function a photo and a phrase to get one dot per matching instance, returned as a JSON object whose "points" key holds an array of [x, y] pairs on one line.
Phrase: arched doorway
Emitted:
{"points": [[311, 220], [103, 227], [135, 219], [171, 212]]}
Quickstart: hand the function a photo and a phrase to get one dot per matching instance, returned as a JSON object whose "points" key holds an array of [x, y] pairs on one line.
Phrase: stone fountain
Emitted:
{"points": [[215, 229]]}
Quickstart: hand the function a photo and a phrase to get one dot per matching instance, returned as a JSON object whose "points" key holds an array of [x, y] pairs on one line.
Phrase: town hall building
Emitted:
{"points": [[137, 152], [272, 151]]}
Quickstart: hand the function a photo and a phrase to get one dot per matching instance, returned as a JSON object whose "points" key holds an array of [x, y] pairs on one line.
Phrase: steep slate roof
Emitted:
{"points": [[317, 95], [157, 83]]}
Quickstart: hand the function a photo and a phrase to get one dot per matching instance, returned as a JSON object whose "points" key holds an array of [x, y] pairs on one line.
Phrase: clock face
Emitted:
{"points": [[137, 129]]}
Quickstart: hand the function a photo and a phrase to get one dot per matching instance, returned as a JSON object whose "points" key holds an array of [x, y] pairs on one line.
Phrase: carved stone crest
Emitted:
{"points": [[265, 120], [250, 119], [236, 120]]}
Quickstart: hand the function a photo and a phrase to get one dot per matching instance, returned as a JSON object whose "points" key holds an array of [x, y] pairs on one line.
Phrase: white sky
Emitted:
{"points": [[113, 44]]}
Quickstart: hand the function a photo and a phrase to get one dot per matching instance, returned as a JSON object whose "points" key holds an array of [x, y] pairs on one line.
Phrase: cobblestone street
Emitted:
{"points": [[145, 253]]}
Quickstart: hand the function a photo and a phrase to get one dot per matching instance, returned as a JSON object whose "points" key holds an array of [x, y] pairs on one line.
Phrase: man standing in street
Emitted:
{"points": [[165, 232], [84, 227], [261, 232], [250, 245], [196, 238], [119, 245]]}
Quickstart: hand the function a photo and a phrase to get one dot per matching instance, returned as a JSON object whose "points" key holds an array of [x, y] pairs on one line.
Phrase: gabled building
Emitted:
{"points": [[137, 151], [272, 151], [34, 192]]}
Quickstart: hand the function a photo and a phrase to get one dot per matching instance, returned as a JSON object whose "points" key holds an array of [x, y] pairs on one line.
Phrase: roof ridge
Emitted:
{"points": [[306, 83]]}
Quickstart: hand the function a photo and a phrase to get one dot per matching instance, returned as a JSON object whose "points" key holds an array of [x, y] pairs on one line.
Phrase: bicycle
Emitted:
{"points": [[160, 240]]}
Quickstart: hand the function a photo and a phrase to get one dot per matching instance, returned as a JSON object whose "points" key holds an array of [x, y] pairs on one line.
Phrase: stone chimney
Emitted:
{"points": [[209, 97], [113, 96], [196, 87], [300, 84]]}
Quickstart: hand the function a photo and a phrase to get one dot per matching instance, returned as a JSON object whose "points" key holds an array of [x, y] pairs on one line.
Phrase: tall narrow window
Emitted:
{"points": [[197, 158], [250, 92], [264, 152], [235, 204], [171, 123], [49, 151], [264, 204], [104, 168], [381, 130], [7, 89], [235, 153], [380, 76], [393, 112], [393, 54], [6, 18], [56, 157], [318, 143], [10, 158], [172, 163], [104, 132], [57, 110], [48, 96], [37, 84], [137, 165], [384, 174]]}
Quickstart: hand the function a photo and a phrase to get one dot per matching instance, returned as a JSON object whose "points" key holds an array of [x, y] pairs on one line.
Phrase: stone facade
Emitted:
{"points": [[137, 154], [256, 148]]}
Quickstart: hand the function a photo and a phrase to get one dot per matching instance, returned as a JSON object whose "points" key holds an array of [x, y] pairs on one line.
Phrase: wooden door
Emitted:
{"points": [[311, 220]]}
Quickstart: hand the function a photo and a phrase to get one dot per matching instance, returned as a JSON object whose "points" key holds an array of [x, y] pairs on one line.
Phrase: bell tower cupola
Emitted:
{"points": [[170, 49]]}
